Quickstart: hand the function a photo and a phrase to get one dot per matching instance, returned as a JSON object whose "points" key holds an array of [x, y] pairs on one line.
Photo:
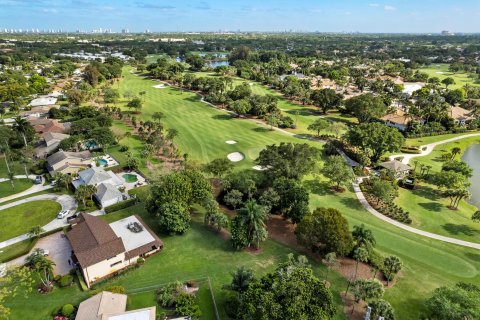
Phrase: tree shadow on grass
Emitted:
{"points": [[303, 112], [261, 129], [431, 206], [427, 193], [473, 256], [222, 117], [321, 188], [351, 203], [459, 229], [334, 119]]}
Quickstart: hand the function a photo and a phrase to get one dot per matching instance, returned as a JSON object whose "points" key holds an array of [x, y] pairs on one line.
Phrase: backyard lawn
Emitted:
{"points": [[441, 71], [20, 185], [19, 219]]}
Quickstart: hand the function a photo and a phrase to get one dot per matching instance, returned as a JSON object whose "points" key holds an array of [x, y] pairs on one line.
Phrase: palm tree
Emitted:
{"points": [[253, 218], [363, 237], [21, 126], [25, 161], [241, 279], [331, 261], [63, 180], [392, 265], [455, 151], [360, 255], [84, 192], [46, 266], [35, 232]]}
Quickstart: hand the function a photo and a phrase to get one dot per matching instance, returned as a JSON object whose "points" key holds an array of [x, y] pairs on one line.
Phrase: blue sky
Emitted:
{"points": [[246, 15]]}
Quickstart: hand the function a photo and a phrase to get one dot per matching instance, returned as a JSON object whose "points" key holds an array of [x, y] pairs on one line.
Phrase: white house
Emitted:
{"points": [[100, 249], [107, 184]]}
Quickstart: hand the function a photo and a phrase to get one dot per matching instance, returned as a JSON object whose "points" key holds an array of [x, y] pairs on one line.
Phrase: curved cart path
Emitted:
{"points": [[429, 148], [366, 205]]}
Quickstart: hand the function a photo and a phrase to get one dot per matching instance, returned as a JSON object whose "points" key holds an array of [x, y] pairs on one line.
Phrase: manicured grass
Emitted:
{"points": [[16, 250], [198, 254], [20, 185], [302, 115], [427, 140], [428, 263], [429, 212], [20, 219], [461, 78], [203, 130], [433, 158], [16, 167]]}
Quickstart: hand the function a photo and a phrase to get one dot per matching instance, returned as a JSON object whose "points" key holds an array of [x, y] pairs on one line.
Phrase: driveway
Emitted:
{"points": [[67, 202], [59, 252], [33, 189]]}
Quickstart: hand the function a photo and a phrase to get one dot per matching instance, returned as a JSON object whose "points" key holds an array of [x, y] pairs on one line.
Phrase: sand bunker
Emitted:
{"points": [[160, 86], [235, 156], [261, 168], [440, 72], [230, 142]]}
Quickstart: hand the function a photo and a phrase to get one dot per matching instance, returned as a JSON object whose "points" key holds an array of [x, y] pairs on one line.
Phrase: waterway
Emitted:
{"points": [[472, 157]]}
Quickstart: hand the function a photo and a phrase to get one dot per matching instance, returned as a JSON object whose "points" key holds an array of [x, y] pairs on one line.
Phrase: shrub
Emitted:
{"points": [[67, 310], [167, 295], [140, 260], [81, 281], [123, 149], [186, 305], [66, 281], [120, 205], [116, 289]]}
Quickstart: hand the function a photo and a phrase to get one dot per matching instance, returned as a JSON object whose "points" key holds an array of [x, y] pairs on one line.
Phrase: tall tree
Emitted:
{"points": [[375, 138], [363, 237], [338, 171], [325, 230], [252, 217], [326, 99], [392, 266], [318, 125], [366, 107]]}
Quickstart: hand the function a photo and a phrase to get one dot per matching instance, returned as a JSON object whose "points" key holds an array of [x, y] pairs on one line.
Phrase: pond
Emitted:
{"points": [[214, 64], [130, 178], [472, 157]]}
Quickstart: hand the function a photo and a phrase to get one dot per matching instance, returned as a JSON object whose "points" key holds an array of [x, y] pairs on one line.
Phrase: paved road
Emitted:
{"points": [[33, 189], [429, 148], [67, 202], [435, 236]]}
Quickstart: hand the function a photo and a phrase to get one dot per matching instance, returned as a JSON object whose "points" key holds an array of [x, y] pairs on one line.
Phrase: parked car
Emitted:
{"points": [[40, 251], [72, 217], [38, 180], [62, 214]]}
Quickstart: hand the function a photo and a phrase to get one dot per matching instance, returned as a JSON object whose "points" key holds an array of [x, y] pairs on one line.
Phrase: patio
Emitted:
{"points": [[131, 179], [106, 161]]}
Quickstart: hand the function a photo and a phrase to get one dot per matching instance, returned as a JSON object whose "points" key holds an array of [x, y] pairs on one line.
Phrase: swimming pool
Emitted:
{"points": [[130, 178], [102, 162]]}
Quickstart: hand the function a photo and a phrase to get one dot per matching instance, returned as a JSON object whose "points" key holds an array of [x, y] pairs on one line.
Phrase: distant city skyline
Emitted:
{"points": [[395, 16]]}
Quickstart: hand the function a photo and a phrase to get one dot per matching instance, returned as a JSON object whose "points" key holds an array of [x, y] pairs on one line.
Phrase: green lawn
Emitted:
{"points": [[16, 167], [441, 71], [429, 212], [20, 219], [203, 130], [198, 254], [433, 158], [427, 140], [15, 250], [303, 115], [428, 263], [20, 185]]}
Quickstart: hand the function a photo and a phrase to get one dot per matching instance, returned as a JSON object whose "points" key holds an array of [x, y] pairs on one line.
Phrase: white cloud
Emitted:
{"points": [[374, 5], [389, 8]]}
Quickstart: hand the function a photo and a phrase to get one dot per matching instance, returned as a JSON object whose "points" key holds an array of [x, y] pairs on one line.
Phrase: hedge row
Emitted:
{"points": [[120, 205]]}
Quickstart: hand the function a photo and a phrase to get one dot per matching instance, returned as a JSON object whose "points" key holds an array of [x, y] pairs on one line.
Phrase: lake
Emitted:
{"points": [[472, 157]]}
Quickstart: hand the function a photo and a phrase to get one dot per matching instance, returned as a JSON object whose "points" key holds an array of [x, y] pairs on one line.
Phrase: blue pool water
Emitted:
{"points": [[102, 162]]}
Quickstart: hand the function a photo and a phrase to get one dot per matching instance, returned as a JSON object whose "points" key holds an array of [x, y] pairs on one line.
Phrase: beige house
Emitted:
{"points": [[111, 306], [42, 125], [460, 115], [101, 249], [49, 143], [69, 162], [400, 119]]}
